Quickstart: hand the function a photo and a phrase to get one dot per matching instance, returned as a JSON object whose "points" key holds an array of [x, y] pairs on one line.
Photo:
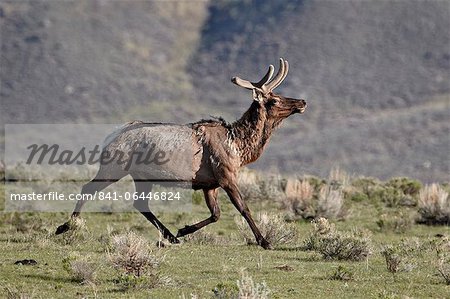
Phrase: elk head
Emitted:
{"points": [[276, 106]]}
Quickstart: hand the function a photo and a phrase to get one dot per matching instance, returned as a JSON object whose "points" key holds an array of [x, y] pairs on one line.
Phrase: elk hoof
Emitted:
{"points": [[184, 231], [62, 228], [266, 245], [173, 240]]}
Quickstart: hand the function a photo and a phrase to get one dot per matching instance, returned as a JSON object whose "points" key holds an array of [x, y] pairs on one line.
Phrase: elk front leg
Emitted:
{"points": [[241, 206], [213, 206], [142, 206]]}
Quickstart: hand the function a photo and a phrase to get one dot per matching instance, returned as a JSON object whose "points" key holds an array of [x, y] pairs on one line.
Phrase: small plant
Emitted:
{"points": [[398, 222], [248, 289], [401, 257], [434, 205], [393, 259], [332, 244], [342, 273], [137, 265], [80, 269], [273, 228], [320, 228], [83, 271], [131, 254]]}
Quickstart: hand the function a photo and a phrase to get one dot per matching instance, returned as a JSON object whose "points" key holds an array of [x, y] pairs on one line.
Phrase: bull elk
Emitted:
{"points": [[219, 150]]}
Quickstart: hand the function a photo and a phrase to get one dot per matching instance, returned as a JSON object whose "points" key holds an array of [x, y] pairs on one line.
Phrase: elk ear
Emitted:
{"points": [[257, 95]]}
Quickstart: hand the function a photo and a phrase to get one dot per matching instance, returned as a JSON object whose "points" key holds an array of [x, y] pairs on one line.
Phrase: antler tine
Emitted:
{"points": [[266, 77], [286, 70], [271, 85], [252, 85]]}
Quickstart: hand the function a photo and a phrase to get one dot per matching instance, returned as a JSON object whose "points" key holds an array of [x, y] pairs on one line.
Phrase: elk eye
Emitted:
{"points": [[272, 102]]}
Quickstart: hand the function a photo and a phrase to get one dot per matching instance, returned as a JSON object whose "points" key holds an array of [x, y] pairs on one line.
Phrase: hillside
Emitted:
{"points": [[375, 74]]}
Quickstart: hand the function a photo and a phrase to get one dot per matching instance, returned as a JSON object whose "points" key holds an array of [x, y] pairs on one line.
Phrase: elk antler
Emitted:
{"points": [[264, 85]]}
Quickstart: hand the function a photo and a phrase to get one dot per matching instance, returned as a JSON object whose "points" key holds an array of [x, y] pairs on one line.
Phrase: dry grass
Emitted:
{"points": [[434, 205], [273, 228]]}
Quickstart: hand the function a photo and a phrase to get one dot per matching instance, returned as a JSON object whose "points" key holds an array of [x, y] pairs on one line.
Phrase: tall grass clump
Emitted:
{"points": [[434, 205], [273, 228], [299, 198], [332, 244], [330, 204], [307, 201]]}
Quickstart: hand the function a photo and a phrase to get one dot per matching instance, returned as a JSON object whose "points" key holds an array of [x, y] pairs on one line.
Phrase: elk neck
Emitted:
{"points": [[251, 133]]}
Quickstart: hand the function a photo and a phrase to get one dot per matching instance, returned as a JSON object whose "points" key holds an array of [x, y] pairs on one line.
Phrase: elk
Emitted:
{"points": [[218, 151]]}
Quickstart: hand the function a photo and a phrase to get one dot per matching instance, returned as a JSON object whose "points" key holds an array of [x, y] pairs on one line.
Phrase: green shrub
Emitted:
{"points": [[332, 244], [396, 192], [226, 291], [358, 197], [397, 221], [408, 186]]}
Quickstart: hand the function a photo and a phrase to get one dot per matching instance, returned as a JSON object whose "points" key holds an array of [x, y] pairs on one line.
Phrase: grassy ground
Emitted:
{"points": [[196, 269]]}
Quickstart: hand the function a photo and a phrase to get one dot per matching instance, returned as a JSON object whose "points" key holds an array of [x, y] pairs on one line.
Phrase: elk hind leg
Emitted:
{"points": [[100, 182]]}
